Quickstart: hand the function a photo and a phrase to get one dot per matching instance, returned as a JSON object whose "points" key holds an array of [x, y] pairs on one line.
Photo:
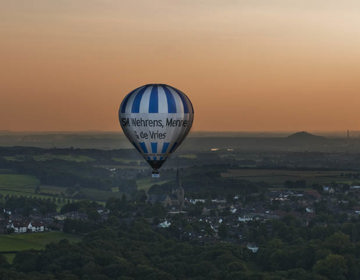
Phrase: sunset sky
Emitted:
{"points": [[254, 65]]}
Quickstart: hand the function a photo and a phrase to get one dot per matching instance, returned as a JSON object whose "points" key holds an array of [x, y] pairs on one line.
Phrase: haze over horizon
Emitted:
{"points": [[251, 66]]}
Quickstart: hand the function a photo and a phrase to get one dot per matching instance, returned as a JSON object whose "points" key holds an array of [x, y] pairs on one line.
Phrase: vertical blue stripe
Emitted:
{"points": [[136, 104], [143, 147], [170, 100], [161, 158], [154, 104], [173, 147], [149, 158], [183, 99], [154, 147], [165, 147], [154, 158], [123, 104]]}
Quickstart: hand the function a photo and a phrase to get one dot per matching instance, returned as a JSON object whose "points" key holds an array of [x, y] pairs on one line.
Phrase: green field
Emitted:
{"points": [[25, 185], [146, 183], [45, 157], [16, 180], [278, 176], [75, 158], [127, 161], [18, 184], [14, 158], [188, 156], [36, 241]]}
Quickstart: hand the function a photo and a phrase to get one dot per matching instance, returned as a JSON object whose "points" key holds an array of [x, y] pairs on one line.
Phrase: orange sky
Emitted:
{"points": [[246, 65]]}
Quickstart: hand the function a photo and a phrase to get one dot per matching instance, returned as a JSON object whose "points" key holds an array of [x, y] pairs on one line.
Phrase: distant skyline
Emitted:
{"points": [[247, 65]]}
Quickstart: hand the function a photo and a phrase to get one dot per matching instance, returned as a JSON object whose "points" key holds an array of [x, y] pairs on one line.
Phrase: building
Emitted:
{"points": [[174, 198], [19, 226], [36, 226]]}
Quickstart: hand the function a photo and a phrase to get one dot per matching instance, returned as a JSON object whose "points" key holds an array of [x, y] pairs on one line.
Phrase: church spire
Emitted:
{"points": [[178, 179], [179, 190]]}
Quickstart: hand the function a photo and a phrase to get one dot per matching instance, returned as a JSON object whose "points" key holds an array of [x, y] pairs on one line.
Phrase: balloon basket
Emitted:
{"points": [[155, 174]]}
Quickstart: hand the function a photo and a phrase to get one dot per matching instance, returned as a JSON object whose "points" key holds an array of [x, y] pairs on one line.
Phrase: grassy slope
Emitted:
{"points": [[16, 180], [146, 183], [45, 157], [277, 176], [37, 241], [20, 242], [25, 185]]}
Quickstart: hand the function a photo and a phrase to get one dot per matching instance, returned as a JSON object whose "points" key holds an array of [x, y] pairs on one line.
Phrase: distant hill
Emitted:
{"points": [[305, 136]]}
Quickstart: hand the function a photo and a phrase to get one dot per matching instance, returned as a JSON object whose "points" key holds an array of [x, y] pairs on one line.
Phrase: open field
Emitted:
{"points": [[36, 241], [278, 176], [188, 156], [125, 165], [25, 185], [75, 158], [128, 161], [47, 156], [146, 183], [15, 180], [18, 184]]}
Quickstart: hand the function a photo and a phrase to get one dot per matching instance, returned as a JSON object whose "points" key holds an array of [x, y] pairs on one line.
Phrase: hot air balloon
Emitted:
{"points": [[156, 119]]}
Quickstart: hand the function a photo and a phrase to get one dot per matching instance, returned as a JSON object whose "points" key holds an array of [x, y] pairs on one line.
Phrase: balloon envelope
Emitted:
{"points": [[156, 118]]}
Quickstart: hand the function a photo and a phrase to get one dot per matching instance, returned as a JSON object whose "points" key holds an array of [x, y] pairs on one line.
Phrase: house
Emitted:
{"points": [[245, 219], [253, 248], [24, 226], [36, 226], [328, 189], [196, 200], [19, 226], [164, 224]]}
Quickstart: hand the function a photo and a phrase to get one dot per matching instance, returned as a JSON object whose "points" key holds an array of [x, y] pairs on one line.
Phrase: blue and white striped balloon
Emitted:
{"points": [[156, 118]]}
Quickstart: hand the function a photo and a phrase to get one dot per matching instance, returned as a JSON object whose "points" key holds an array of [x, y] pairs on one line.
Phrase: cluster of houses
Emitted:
{"points": [[235, 216], [11, 222], [15, 223], [18, 224], [26, 226]]}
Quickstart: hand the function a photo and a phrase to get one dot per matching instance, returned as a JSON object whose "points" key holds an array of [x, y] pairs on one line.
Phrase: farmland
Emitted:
{"points": [[279, 176], [48, 156], [18, 184], [146, 183], [37, 241]]}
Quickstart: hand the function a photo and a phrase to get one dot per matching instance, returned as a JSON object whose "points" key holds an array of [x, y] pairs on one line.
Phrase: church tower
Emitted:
{"points": [[178, 192]]}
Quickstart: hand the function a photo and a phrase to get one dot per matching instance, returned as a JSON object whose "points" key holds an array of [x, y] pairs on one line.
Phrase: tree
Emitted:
{"points": [[333, 267], [339, 243], [223, 231]]}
